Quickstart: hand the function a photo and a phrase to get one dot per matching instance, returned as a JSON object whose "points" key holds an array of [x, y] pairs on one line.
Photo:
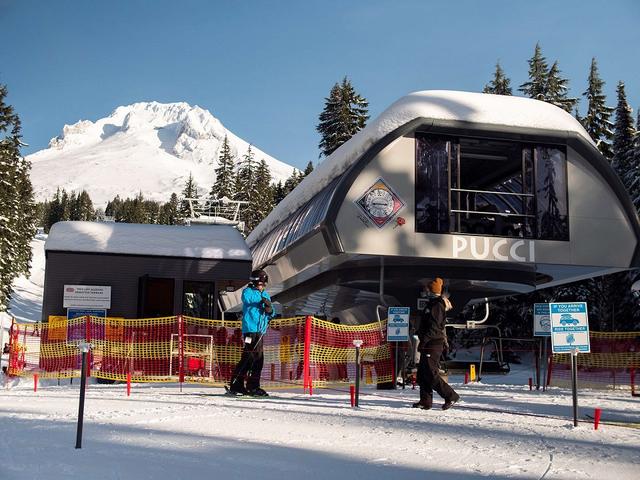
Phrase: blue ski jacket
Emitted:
{"points": [[254, 318]]}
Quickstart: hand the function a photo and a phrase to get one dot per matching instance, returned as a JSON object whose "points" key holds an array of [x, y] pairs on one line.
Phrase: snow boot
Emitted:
{"points": [[236, 388], [422, 405], [450, 401], [257, 392]]}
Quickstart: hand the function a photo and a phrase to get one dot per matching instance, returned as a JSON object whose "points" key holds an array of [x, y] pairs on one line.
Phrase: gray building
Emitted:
{"points": [[496, 194], [153, 270]]}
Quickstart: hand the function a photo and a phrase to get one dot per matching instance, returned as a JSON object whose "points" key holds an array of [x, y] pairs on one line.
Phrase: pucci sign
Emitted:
{"points": [[499, 249]]}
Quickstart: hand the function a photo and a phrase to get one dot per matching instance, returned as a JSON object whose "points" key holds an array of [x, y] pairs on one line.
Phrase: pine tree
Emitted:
{"points": [[190, 191], [500, 85], [169, 213], [261, 202], [623, 135], [278, 192], [246, 177], [17, 210], [114, 209], [557, 90], [596, 122], [293, 181], [632, 175], [345, 114], [536, 87], [308, 169], [225, 178]]}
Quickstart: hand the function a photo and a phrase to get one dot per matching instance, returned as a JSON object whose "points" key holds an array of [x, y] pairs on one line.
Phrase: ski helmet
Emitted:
{"points": [[259, 276]]}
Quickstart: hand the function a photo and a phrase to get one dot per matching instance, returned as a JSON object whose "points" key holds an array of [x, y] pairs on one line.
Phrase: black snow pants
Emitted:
{"points": [[429, 376], [250, 364]]}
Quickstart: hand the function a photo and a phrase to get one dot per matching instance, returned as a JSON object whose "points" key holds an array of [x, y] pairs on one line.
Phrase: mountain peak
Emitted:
{"points": [[146, 146]]}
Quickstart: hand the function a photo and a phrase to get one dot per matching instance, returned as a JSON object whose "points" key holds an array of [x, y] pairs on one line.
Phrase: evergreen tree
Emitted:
{"points": [[500, 85], [190, 191], [225, 178], [308, 169], [623, 135], [261, 202], [114, 209], [17, 209], [169, 213], [345, 114], [557, 89], [278, 192], [246, 177], [536, 87], [133, 210], [293, 181], [632, 174], [596, 122]]}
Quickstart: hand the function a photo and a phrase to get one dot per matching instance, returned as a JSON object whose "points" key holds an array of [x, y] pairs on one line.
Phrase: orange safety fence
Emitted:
{"points": [[299, 351]]}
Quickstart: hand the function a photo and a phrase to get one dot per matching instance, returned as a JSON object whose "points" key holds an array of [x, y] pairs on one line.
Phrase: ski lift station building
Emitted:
{"points": [[152, 270], [496, 194]]}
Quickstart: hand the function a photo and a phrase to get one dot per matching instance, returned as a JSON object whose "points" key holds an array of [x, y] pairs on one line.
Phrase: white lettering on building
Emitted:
{"points": [[484, 248]]}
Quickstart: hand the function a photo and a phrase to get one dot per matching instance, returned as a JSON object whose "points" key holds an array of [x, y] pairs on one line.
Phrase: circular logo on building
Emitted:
{"points": [[380, 203]]}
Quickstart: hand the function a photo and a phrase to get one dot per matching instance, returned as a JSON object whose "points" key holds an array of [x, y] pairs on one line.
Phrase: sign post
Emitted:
{"points": [[357, 344], [84, 348], [397, 331], [570, 334]]}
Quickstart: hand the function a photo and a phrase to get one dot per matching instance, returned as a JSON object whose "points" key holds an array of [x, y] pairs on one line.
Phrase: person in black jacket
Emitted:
{"points": [[432, 339]]}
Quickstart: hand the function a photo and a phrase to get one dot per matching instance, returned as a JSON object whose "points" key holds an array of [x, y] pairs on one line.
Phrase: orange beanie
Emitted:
{"points": [[436, 285]]}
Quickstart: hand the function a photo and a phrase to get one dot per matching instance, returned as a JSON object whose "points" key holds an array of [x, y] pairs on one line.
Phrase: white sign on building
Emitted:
{"points": [[87, 296], [569, 327]]}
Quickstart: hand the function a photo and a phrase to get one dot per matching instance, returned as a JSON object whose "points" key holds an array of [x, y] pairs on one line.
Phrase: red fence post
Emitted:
{"points": [[632, 375], [128, 384], [307, 353], [596, 418], [530, 383], [35, 382], [352, 393], [180, 350], [549, 370]]}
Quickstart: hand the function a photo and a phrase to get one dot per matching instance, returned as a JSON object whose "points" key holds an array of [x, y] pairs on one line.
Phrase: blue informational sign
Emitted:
{"points": [[398, 324], [569, 327], [77, 331], [541, 320]]}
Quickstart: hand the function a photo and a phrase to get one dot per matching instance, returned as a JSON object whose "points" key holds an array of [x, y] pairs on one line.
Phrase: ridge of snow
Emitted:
{"points": [[196, 241], [147, 147], [498, 110]]}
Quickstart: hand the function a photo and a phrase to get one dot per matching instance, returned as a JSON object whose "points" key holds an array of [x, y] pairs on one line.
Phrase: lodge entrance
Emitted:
{"points": [[156, 297]]}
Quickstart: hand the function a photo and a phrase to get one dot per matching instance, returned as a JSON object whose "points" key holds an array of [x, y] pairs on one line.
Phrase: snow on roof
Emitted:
{"points": [[219, 242], [481, 108]]}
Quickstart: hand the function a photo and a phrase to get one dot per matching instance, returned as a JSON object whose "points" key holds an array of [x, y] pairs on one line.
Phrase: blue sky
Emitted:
{"points": [[264, 67]]}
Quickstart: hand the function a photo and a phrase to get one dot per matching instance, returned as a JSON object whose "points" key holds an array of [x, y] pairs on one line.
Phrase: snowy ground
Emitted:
{"points": [[498, 431]]}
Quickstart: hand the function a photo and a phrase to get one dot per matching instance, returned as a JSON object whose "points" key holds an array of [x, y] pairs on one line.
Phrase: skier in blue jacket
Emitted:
{"points": [[257, 311]]}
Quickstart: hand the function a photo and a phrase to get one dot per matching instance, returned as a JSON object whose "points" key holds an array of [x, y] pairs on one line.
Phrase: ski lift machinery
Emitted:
{"points": [[470, 325]]}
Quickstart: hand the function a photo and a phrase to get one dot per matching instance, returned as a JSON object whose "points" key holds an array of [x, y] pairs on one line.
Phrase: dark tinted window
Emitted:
{"points": [[432, 185], [551, 193], [490, 187]]}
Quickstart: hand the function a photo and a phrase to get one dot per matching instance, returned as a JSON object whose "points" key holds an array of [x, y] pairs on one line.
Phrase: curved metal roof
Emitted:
{"points": [[496, 111]]}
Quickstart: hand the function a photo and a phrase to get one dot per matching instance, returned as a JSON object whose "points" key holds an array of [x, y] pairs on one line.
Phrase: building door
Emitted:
{"points": [[156, 297], [198, 299]]}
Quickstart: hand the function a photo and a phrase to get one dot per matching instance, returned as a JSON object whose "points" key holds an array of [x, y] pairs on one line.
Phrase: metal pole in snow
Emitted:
{"points": [[357, 344], [84, 347], [574, 385]]}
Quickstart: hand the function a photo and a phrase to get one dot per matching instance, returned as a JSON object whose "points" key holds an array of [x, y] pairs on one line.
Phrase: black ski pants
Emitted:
{"points": [[250, 364], [429, 376]]}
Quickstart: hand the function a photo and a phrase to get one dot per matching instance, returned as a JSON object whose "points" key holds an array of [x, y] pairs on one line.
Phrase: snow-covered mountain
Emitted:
{"points": [[146, 147]]}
